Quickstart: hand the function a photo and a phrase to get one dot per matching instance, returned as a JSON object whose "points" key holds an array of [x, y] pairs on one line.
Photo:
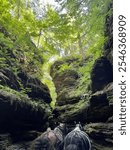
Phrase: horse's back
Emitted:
{"points": [[77, 140]]}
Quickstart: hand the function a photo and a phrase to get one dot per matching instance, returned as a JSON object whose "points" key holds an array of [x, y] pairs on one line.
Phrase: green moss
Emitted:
{"points": [[18, 94], [73, 112], [15, 97], [64, 67], [47, 79]]}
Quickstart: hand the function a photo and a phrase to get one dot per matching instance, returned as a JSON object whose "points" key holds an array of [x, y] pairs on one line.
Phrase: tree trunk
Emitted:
{"points": [[18, 13]]}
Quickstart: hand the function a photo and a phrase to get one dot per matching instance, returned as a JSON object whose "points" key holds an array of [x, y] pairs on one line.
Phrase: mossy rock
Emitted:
{"points": [[101, 135], [72, 112], [18, 112]]}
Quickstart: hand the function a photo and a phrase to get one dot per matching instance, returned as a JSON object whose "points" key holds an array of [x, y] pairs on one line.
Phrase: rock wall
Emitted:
{"points": [[70, 103], [24, 101], [108, 46], [24, 107], [72, 106], [101, 135], [101, 74]]}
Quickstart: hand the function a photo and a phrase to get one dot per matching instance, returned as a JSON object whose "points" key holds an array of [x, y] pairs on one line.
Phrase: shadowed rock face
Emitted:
{"points": [[20, 111], [98, 108], [24, 99], [102, 74], [5, 140], [101, 105], [101, 135], [108, 46], [8, 78], [36, 89]]}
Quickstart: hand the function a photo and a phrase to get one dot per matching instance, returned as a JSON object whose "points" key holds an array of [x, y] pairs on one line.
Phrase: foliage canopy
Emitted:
{"points": [[31, 33]]}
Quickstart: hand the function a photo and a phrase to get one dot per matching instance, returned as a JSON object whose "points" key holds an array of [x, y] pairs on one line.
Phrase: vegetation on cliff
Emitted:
{"points": [[33, 33]]}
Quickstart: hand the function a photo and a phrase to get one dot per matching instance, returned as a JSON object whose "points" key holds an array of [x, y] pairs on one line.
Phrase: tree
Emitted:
{"points": [[88, 22]]}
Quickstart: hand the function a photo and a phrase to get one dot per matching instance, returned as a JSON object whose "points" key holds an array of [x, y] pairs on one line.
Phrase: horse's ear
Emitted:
{"points": [[48, 129], [61, 124]]}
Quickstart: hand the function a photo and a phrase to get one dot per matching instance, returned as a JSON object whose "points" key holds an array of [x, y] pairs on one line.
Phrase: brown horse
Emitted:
{"points": [[50, 140]]}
